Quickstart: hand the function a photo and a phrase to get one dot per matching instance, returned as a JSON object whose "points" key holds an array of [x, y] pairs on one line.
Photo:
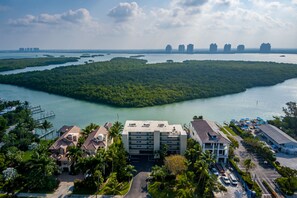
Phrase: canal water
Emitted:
{"points": [[264, 102]]}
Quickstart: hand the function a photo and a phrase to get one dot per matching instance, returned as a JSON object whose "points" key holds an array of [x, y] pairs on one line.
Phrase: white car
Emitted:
{"points": [[226, 180], [233, 179], [214, 171]]}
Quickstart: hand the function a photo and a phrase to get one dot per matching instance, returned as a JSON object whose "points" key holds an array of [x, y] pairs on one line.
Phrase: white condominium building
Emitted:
{"points": [[147, 137]]}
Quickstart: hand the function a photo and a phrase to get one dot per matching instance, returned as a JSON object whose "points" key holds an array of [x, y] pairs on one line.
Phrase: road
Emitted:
{"points": [[261, 171], [139, 186]]}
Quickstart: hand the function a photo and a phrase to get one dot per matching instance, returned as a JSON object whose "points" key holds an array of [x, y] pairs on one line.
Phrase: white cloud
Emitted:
{"points": [[125, 11], [79, 16]]}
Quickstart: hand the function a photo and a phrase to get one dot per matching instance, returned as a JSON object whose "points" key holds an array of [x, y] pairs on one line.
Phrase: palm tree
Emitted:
{"points": [[208, 157], [248, 164], [88, 129], [111, 155], [45, 125], [40, 168], [129, 171], [113, 187], [115, 130], [74, 154]]}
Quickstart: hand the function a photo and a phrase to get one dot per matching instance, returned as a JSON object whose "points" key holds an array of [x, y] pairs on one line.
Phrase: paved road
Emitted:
{"points": [[139, 186], [261, 171]]}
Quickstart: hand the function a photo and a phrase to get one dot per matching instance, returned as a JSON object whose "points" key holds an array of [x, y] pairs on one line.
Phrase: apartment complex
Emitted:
{"points": [[208, 134], [147, 138]]}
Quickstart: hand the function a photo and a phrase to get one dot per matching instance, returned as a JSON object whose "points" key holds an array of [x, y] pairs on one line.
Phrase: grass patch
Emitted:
{"points": [[230, 131]]}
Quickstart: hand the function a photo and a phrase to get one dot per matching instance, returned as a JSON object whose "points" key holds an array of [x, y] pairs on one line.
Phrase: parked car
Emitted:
{"points": [[233, 179], [214, 171], [226, 180]]}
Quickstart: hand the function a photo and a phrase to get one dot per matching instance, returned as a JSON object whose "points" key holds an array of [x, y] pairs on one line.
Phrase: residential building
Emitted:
{"points": [[59, 150], [168, 49], [145, 138], [265, 47], [97, 139], [181, 49], [227, 48], [213, 48], [210, 137], [240, 48], [282, 141], [190, 48]]}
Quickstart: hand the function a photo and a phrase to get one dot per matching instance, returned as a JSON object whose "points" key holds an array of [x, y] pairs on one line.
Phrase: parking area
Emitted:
{"points": [[233, 191], [287, 160]]}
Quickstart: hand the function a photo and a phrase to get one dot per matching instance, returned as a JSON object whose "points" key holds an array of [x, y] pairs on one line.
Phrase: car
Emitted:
{"points": [[226, 180], [215, 172], [233, 179]]}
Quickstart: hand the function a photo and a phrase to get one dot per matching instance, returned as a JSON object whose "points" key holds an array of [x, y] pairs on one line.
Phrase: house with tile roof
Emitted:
{"points": [[69, 137], [97, 139]]}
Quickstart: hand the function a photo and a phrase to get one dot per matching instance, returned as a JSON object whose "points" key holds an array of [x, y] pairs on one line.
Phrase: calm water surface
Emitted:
{"points": [[261, 101]]}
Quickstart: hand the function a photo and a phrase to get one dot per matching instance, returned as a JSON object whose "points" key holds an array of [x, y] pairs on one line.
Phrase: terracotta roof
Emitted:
{"points": [[206, 129], [92, 142], [63, 141]]}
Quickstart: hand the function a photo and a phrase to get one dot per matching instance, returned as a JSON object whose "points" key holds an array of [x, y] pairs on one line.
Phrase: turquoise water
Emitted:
{"points": [[261, 101]]}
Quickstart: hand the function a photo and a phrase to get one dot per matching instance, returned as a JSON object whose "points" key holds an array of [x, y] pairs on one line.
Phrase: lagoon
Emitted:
{"points": [[264, 102]]}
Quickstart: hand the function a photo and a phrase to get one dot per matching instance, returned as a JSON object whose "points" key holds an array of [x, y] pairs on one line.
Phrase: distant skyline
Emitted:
{"points": [[146, 24]]}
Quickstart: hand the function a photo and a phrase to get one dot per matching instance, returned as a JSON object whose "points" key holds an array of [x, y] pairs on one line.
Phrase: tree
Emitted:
{"points": [[176, 164], [74, 153], [113, 187], [248, 164], [40, 171], [291, 116], [115, 130], [159, 173], [129, 171], [45, 125], [208, 157], [88, 129]]}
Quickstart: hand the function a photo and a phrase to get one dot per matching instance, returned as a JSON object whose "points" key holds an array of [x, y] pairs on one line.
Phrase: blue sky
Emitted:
{"points": [[146, 24]]}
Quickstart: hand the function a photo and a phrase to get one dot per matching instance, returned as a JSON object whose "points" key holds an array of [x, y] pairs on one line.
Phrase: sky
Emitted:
{"points": [[146, 24]]}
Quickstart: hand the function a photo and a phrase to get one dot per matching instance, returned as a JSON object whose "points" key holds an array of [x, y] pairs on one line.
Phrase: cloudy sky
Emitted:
{"points": [[146, 24]]}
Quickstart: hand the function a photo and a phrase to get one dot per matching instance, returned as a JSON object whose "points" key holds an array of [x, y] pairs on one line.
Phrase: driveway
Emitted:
{"points": [[139, 186]]}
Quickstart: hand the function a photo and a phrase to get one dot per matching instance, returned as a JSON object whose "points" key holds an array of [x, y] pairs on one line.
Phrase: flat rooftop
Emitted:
{"points": [[152, 126], [276, 134]]}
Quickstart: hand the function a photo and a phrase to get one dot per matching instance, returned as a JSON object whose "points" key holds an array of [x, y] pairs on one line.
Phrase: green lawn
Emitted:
{"points": [[230, 130]]}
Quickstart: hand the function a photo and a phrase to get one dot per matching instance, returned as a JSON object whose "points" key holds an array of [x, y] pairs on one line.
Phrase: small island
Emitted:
{"points": [[126, 82], [12, 64]]}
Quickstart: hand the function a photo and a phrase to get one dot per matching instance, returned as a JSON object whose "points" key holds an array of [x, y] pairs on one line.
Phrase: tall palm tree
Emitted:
{"points": [[40, 167], [88, 129], [113, 187], [129, 171], [115, 130], [208, 157], [248, 164], [111, 155], [74, 154], [45, 125]]}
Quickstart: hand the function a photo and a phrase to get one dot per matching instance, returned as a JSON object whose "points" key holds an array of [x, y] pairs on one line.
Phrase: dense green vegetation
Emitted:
{"points": [[288, 123], [11, 64], [25, 164], [133, 83], [108, 171], [187, 176]]}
